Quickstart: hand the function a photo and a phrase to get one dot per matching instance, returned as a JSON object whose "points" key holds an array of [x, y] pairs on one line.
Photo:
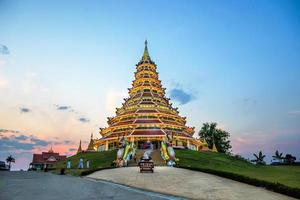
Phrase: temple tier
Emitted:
{"points": [[146, 115]]}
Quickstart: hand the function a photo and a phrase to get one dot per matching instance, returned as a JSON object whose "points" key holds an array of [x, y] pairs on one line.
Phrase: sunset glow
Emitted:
{"points": [[65, 67]]}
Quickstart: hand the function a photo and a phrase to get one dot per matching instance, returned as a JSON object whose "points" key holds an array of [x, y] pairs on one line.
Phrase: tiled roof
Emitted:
{"points": [[129, 111], [124, 123], [148, 132], [169, 122], [167, 112], [145, 102], [146, 111], [147, 94], [146, 121], [43, 158], [182, 134]]}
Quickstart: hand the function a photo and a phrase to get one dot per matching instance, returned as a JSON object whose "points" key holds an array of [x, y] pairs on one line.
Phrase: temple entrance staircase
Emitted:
{"points": [[155, 155]]}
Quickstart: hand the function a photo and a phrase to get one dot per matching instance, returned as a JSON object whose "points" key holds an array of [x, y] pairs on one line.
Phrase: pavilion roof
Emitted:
{"points": [[44, 158]]}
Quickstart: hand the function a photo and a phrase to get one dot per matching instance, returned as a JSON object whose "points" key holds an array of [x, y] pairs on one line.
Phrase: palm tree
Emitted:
{"points": [[278, 156], [9, 160], [259, 159]]}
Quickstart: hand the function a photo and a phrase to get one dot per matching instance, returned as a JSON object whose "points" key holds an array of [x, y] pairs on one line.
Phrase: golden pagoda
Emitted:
{"points": [[214, 148], [146, 115], [204, 146], [91, 146]]}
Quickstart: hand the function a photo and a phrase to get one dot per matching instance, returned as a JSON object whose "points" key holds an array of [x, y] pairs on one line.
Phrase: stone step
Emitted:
{"points": [[155, 155], [139, 153], [157, 159]]}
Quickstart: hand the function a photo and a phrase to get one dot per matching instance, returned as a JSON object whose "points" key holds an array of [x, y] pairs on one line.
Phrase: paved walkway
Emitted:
{"points": [[48, 186], [186, 183]]}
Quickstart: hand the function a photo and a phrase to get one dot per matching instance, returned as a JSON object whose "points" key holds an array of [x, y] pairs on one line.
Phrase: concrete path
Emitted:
{"points": [[186, 183], [47, 186]]}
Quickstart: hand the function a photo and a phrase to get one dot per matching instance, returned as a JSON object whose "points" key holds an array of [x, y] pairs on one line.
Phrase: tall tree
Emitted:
{"points": [[9, 160], [278, 156], [259, 158], [289, 159], [212, 134]]}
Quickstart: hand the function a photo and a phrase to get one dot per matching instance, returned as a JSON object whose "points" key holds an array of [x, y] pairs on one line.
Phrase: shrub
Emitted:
{"points": [[90, 171], [276, 187]]}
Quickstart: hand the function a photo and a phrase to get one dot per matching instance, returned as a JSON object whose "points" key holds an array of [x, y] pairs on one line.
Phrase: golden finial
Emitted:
{"points": [[146, 53]]}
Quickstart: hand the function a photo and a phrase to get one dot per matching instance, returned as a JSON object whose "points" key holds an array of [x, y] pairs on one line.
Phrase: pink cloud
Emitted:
{"points": [[246, 144]]}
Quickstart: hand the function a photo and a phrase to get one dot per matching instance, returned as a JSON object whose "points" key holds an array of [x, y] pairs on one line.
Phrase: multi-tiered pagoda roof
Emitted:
{"points": [[147, 112]]}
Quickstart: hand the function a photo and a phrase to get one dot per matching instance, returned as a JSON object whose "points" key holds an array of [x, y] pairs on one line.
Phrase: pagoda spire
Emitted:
{"points": [[146, 55], [214, 148], [79, 148], [51, 150], [91, 144]]}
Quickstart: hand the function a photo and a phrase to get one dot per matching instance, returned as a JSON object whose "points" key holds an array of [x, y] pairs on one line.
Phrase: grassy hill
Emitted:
{"points": [[283, 179], [98, 160], [287, 175]]}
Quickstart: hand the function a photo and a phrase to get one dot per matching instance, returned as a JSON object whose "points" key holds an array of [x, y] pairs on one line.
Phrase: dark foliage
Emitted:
{"points": [[212, 134], [9, 160], [90, 171], [289, 159], [278, 156], [259, 158]]}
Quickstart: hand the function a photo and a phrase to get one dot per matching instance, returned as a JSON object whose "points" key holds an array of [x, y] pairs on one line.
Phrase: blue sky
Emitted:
{"points": [[231, 62]]}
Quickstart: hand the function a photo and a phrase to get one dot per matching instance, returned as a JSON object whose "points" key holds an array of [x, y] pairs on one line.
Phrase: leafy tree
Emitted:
{"points": [[212, 134], [278, 156], [259, 158], [289, 159], [9, 160]]}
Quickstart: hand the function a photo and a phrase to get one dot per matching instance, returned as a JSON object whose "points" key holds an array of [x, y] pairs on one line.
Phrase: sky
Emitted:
{"points": [[66, 65]]}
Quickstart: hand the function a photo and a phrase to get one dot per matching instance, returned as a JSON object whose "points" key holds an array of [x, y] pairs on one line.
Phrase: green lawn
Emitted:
{"points": [[286, 175], [98, 160]]}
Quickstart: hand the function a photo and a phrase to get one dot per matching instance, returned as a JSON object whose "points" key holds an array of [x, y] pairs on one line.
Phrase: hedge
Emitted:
{"points": [[90, 171], [276, 187]]}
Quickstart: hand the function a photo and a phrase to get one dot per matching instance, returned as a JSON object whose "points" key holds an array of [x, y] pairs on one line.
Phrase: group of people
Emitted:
{"points": [[80, 164]]}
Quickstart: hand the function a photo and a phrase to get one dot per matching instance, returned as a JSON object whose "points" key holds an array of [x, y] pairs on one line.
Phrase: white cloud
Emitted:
{"points": [[3, 82], [2, 62], [294, 112], [32, 84], [113, 100], [31, 75]]}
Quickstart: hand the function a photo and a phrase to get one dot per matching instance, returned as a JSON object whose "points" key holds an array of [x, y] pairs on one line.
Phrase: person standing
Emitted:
{"points": [[69, 164], [87, 164], [80, 165]]}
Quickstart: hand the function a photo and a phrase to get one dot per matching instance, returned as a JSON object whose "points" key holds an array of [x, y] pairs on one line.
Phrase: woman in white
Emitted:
{"points": [[69, 164], [87, 164]]}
